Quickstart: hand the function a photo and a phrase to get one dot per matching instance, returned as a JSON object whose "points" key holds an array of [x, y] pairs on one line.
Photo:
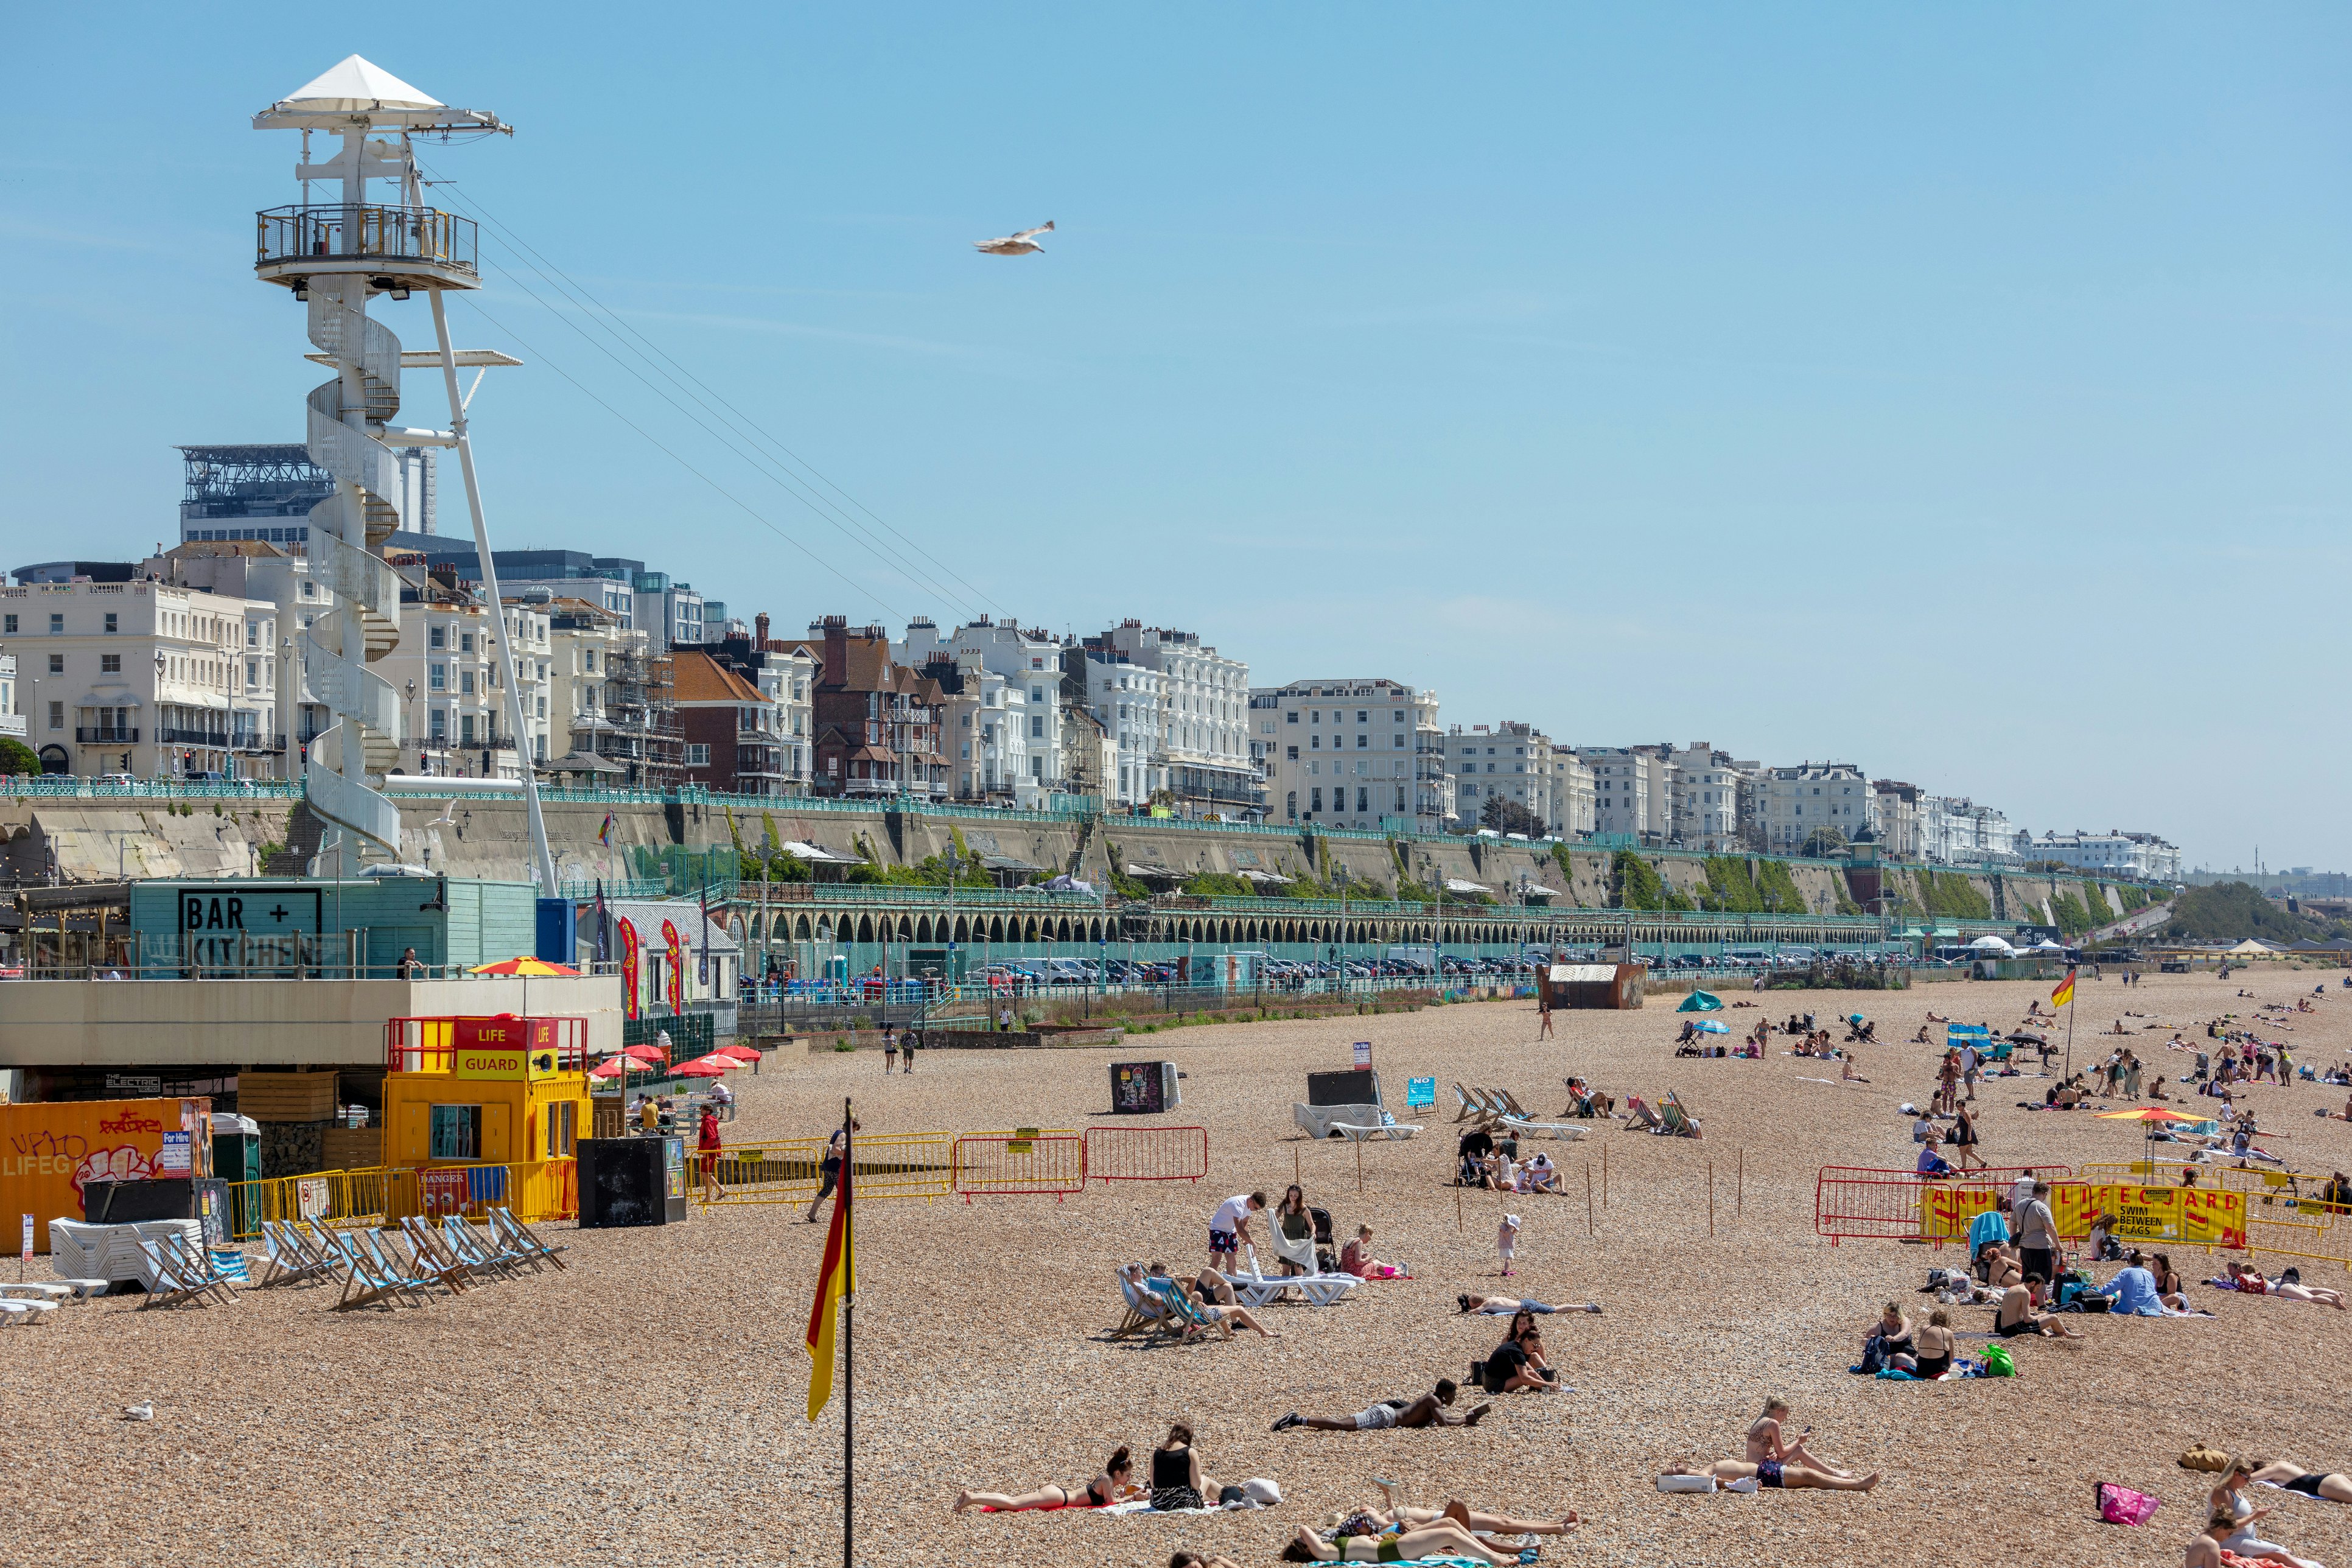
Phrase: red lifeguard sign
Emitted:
{"points": [[502, 1045]]}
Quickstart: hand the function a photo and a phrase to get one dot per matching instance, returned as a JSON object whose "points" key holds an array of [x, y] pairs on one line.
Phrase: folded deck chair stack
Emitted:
{"points": [[112, 1252]]}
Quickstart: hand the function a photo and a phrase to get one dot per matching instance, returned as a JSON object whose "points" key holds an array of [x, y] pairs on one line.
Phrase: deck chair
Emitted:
{"points": [[1638, 1115], [1678, 1121], [1257, 1289], [400, 1273], [363, 1283], [172, 1286], [477, 1251], [200, 1269], [290, 1257], [520, 1237], [1145, 1314], [1468, 1106], [433, 1257], [1182, 1311], [1527, 1127]]}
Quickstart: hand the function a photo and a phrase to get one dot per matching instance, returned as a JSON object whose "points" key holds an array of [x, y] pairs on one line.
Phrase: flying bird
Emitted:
{"points": [[1021, 243]]}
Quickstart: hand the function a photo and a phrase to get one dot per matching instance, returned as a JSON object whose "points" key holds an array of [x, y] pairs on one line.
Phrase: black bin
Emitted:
{"points": [[170, 1197], [631, 1180]]}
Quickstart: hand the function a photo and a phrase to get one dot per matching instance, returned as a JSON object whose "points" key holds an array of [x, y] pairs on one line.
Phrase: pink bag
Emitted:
{"points": [[2121, 1505]]}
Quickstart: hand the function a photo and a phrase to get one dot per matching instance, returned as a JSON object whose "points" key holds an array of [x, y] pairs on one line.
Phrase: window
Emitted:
{"points": [[1362, 718], [436, 679], [252, 673], [1290, 804], [1294, 752], [113, 622], [253, 633], [1291, 717], [465, 682], [1398, 715], [1316, 802], [1397, 740], [562, 1129], [438, 637], [56, 664], [1364, 798], [464, 642], [1314, 742], [1362, 742], [1037, 726], [440, 726], [697, 757], [57, 715], [1315, 717], [8, 624], [466, 729], [310, 589], [456, 1132], [109, 664], [590, 666], [57, 626]]}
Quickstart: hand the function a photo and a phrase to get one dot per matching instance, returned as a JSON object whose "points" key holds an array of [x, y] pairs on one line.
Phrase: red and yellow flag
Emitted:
{"points": [[836, 1278], [2065, 992]]}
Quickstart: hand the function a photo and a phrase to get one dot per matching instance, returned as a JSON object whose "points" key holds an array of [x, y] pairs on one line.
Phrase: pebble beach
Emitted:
{"points": [[646, 1406]]}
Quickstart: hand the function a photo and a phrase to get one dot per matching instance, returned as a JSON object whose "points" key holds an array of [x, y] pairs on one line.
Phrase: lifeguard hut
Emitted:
{"points": [[488, 1111]]}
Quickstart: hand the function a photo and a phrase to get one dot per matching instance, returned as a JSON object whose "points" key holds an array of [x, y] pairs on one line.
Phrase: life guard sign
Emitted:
{"points": [[504, 1048]]}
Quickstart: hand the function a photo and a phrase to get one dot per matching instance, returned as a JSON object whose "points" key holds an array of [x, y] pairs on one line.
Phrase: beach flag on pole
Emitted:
{"points": [[604, 834], [2065, 992], [835, 1277]]}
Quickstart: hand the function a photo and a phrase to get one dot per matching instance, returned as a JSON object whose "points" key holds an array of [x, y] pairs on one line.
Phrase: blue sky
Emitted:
{"points": [[1960, 396]]}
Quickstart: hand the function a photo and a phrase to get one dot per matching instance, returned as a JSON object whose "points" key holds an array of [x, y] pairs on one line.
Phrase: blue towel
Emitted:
{"points": [[487, 1184]]}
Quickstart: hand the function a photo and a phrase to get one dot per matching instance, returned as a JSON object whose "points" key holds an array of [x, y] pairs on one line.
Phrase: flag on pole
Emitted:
{"points": [[2065, 992], [604, 834], [835, 1277]]}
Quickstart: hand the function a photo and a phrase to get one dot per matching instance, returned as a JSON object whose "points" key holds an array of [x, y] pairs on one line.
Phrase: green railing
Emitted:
{"points": [[73, 786]]}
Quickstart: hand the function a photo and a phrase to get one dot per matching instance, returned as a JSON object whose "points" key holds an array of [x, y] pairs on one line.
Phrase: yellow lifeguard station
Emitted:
{"points": [[488, 1111]]}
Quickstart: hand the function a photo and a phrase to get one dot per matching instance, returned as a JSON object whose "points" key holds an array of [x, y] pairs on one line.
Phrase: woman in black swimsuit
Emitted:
{"points": [[2310, 1483], [1935, 1349], [1176, 1477], [1116, 1484]]}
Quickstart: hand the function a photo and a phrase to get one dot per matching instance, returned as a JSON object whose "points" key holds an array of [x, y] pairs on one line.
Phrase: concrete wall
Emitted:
{"points": [[266, 1023]]}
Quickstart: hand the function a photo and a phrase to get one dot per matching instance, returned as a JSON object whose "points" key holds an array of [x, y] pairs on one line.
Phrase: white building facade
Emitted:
{"points": [[1352, 753], [1204, 717], [1703, 792], [1511, 761], [1815, 798], [1029, 665]]}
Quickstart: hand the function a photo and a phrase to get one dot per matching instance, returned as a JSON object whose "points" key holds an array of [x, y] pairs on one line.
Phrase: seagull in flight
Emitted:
{"points": [[1021, 243]]}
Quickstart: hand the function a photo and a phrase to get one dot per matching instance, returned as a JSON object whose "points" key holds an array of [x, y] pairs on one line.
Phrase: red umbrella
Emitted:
{"points": [[740, 1053], [715, 1065], [651, 1054], [611, 1069]]}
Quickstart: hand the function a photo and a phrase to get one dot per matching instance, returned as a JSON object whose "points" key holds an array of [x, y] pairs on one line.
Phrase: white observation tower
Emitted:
{"points": [[336, 255]]}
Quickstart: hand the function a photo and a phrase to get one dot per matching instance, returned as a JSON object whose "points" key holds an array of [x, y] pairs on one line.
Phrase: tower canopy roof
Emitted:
{"points": [[352, 85]]}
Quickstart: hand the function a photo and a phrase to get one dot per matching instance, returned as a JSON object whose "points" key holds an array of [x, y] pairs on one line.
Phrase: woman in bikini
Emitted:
{"points": [[1892, 1332], [1116, 1484], [2287, 1473], [1768, 1446], [1442, 1539], [1935, 1350], [2230, 1497]]}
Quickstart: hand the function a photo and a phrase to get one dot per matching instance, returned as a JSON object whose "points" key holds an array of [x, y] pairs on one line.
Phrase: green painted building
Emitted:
{"points": [[360, 925]]}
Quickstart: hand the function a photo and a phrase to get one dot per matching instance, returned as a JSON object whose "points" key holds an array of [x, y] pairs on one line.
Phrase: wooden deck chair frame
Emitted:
{"points": [[197, 1266], [1181, 1308], [363, 1286], [433, 1258], [524, 1239], [471, 1247], [287, 1257], [400, 1273], [1146, 1314], [170, 1289]]}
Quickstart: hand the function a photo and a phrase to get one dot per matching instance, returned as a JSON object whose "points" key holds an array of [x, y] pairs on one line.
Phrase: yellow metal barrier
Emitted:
{"points": [[890, 1165], [2316, 1231], [536, 1191]]}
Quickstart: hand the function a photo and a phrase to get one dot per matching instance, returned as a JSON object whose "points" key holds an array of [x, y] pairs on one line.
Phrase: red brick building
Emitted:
{"points": [[875, 721], [734, 735]]}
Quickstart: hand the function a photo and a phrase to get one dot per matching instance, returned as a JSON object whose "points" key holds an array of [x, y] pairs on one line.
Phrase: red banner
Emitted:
{"points": [[677, 968], [628, 969]]}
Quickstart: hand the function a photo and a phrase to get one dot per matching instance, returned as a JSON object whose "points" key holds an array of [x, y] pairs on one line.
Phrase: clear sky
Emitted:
{"points": [[1961, 396]]}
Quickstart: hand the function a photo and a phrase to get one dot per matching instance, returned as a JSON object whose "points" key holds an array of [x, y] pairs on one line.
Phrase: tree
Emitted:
{"points": [[15, 757], [1505, 815], [1823, 843]]}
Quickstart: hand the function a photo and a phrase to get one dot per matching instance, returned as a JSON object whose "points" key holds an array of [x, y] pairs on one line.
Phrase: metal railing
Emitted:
{"points": [[348, 232], [535, 1189], [104, 736]]}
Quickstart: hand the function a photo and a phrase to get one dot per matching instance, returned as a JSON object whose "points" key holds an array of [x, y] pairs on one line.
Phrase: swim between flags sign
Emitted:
{"points": [[2065, 992], [835, 1277]]}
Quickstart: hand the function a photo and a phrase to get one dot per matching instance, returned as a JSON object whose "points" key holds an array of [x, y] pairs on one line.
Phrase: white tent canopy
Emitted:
{"points": [[815, 853], [1457, 885], [1991, 944], [352, 84]]}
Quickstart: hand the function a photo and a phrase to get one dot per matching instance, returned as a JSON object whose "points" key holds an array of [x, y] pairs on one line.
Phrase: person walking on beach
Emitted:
{"points": [[889, 1050], [1543, 1003], [2037, 1234], [829, 1168], [706, 1152], [1507, 1240]]}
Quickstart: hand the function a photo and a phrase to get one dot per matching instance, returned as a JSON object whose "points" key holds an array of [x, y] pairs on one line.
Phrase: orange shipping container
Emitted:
{"points": [[49, 1150]]}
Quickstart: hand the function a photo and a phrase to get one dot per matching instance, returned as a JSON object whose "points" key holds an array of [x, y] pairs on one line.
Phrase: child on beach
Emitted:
{"points": [[1507, 1240]]}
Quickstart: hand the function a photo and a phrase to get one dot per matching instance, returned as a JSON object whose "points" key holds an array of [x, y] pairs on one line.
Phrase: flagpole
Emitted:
{"points": [[2073, 1000], [848, 1351]]}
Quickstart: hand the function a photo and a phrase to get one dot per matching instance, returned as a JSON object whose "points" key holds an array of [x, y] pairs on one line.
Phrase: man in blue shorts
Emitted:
{"points": [[1229, 1228]]}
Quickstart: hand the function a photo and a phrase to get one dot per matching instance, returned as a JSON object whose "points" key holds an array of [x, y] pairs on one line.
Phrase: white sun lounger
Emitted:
{"points": [[26, 1312], [1256, 1289], [1566, 1131], [1356, 1132], [37, 1291]]}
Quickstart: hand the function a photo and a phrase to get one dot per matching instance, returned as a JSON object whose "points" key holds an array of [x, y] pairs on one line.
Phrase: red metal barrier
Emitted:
{"points": [[1147, 1154], [1003, 1164], [1850, 1201]]}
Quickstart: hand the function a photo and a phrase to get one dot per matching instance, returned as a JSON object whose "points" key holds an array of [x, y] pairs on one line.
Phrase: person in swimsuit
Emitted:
{"points": [[1116, 1484], [2329, 1487], [1182, 1558], [2230, 1498], [1892, 1332], [1768, 1444], [1401, 1515], [1177, 1480], [1508, 1306], [1773, 1473], [2016, 1315], [1429, 1410], [1444, 1539], [1935, 1350]]}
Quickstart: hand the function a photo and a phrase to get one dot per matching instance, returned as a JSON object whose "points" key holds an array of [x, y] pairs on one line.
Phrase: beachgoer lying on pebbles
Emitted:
{"points": [[1774, 1473], [1430, 1410], [2287, 1473], [2288, 1286], [1505, 1306], [1463, 1514], [1444, 1539], [1195, 1559], [1116, 1484]]}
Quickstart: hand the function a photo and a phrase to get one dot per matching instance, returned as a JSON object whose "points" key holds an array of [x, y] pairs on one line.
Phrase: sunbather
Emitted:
{"points": [[2288, 1286], [1768, 1444], [1116, 1484], [2016, 1315], [1357, 1258], [1773, 1473], [1430, 1410], [1505, 1306], [2287, 1473], [1444, 1539], [1182, 1558], [1466, 1516], [2230, 1498]]}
